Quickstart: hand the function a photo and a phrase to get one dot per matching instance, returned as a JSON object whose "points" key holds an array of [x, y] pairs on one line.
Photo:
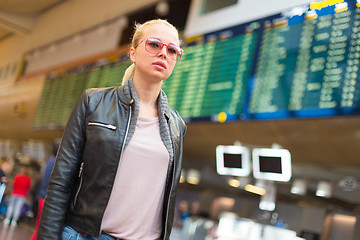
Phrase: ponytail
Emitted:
{"points": [[129, 73]]}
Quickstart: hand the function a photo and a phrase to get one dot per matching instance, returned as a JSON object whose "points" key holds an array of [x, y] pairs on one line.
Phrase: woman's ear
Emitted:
{"points": [[132, 54]]}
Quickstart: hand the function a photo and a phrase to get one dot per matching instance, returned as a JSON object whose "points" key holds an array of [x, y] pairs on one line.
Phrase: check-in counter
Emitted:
{"points": [[232, 227]]}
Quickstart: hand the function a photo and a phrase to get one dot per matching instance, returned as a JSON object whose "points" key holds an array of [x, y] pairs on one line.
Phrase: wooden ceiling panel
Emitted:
{"points": [[4, 33], [27, 7]]}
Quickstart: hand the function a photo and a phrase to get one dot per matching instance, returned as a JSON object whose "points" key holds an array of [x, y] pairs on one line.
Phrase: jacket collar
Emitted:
{"points": [[125, 93], [128, 96], [163, 104]]}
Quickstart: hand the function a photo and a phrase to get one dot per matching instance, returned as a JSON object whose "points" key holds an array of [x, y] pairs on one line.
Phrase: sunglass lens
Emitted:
{"points": [[153, 45], [173, 52]]}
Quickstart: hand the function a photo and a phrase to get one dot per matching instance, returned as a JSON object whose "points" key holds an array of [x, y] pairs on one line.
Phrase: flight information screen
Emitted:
{"points": [[62, 89], [301, 63], [212, 77]]}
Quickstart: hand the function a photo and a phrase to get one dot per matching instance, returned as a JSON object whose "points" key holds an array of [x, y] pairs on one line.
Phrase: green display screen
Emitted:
{"points": [[295, 64], [212, 77]]}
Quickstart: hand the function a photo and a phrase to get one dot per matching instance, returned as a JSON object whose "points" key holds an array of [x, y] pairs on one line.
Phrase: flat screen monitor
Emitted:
{"points": [[271, 164], [233, 160]]}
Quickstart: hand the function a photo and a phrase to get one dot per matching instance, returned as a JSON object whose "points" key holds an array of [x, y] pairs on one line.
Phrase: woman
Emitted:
{"points": [[21, 186], [119, 162]]}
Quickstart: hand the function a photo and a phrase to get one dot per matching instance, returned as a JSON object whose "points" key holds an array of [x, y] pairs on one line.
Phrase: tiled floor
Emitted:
{"points": [[22, 231], [8, 232]]}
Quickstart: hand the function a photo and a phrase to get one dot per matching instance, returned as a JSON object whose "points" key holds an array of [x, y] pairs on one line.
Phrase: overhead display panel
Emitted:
{"points": [[308, 64], [233, 160], [271, 164], [302, 62], [212, 76], [62, 89]]}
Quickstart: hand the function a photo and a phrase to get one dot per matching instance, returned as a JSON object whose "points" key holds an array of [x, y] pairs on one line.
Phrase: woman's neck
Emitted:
{"points": [[147, 93]]}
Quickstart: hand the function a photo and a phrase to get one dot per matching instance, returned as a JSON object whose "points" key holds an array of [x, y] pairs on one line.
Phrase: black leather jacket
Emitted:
{"points": [[100, 126]]}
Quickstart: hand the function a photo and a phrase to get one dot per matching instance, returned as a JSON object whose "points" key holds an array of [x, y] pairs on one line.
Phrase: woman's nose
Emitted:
{"points": [[163, 51]]}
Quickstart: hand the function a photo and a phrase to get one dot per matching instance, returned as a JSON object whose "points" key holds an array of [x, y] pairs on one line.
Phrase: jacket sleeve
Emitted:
{"points": [[65, 171]]}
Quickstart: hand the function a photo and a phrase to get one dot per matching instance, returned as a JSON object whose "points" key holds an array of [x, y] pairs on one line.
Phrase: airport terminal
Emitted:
{"points": [[269, 92]]}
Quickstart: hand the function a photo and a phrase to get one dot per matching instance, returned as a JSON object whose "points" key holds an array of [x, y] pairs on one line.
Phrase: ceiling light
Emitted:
{"points": [[193, 176], [162, 8], [255, 189], [324, 189], [182, 176], [299, 187], [234, 182]]}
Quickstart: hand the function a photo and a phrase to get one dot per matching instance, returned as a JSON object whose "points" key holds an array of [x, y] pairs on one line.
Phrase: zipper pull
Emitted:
{"points": [[111, 127], [81, 168]]}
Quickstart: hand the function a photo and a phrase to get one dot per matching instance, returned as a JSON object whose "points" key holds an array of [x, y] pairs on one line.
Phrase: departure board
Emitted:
{"points": [[300, 63], [62, 89], [308, 67], [212, 77]]}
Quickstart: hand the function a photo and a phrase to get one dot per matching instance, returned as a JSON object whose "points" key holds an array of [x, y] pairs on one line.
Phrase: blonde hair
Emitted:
{"points": [[138, 34]]}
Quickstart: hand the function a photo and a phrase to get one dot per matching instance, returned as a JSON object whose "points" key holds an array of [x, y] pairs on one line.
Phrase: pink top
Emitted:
{"points": [[135, 206]]}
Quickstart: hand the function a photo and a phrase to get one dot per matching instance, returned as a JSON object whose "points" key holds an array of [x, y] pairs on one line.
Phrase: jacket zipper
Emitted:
{"points": [[109, 126], [126, 132], [81, 178], [172, 183], [123, 144]]}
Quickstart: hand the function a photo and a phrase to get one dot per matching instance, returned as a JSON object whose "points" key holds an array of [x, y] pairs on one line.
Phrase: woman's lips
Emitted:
{"points": [[159, 64]]}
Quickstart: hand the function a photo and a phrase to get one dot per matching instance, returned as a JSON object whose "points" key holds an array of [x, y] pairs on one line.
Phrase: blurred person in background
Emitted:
{"points": [[44, 184], [195, 208], [119, 162], [21, 186], [184, 211], [4, 169], [34, 191]]}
